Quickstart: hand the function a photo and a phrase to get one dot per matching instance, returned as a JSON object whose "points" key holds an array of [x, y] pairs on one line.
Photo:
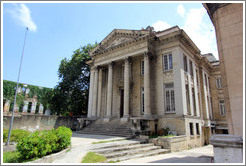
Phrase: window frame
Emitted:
{"points": [[142, 68], [222, 106], [167, 62], [171, 99], [218, 83], [142, 100]]}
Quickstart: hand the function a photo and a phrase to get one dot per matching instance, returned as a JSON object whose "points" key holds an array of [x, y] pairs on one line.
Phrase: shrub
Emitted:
{"points": [[16, 134], [41, 143]]}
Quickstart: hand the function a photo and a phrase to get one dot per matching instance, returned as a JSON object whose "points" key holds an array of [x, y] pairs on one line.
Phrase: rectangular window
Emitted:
{"points": [[197, 129], [185, 63], [222, 107], [194, 101], [142, 100], [123, 71], [191, 68], [191, 129], [205, 80], [167, 62], [197, 81], [219, 83], [142, 67], [187, 99], [169, 98]]}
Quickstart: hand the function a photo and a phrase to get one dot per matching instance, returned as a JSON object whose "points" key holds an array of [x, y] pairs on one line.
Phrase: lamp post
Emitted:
{"points": [[16, 91]]}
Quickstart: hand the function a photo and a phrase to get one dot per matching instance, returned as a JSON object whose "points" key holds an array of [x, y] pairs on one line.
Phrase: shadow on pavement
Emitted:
{"points": [[188, 159]]}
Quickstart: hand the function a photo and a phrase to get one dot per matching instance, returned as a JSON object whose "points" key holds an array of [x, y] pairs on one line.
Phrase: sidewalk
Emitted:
{"points": [[196, 155], [81, 144]]}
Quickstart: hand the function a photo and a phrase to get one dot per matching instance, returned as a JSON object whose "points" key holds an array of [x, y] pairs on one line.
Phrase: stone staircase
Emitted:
{"points": [[112, 128], [127, 149]]}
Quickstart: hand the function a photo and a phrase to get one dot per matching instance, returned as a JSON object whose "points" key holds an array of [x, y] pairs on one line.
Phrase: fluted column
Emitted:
{"points": [[95, 88], [147, 110], [110, 90], [89, 112], [126, 88], [99, 99]]}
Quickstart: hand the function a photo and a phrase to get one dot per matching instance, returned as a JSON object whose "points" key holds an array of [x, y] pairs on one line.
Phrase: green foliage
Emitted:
{"points": [[16, 135], [71, 93], [11, 157], [92, 157], [43, 94], [41, 143]]}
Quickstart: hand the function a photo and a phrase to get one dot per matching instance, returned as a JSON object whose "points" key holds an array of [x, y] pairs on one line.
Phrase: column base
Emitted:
{"points": [[148, 116], [125, 118], [107, 119]]}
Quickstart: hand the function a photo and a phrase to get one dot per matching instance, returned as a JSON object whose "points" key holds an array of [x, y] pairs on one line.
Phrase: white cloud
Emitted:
{"points": [[201, 33], [160, 25], [181, 10], [22, 15]]}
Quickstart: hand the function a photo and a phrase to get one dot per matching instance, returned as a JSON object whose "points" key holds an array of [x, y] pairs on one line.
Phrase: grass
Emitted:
{"points": [[14, 157], [92, 157], [100, 142]]}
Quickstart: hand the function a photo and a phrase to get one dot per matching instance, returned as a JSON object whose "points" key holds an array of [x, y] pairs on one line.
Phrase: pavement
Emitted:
{"points": [[82, 143]]}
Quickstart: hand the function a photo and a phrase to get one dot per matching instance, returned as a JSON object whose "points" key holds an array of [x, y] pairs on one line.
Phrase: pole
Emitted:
{"points": [[16, 91]]}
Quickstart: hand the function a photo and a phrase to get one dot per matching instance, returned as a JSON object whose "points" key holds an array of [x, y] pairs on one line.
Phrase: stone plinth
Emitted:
{"points": [[227, 148]]}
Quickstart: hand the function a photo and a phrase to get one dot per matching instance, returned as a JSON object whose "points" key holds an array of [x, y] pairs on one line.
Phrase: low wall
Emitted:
{"points": [[175, 144], [40, 122]]}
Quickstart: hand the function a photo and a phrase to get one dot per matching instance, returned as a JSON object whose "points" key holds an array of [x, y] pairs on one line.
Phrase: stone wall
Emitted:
{"points": [[175, 144], [40, 122]]}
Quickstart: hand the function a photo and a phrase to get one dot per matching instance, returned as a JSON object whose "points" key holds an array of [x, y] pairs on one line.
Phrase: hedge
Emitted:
{"points": [[42, 143], [16, 135]]}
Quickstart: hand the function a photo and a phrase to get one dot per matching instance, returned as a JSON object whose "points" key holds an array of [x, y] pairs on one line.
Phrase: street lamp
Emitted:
{"points": [[16, 91]]}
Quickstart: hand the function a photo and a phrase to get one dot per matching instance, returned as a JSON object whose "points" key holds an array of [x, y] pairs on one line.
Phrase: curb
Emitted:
{"points": [[50, 158]]}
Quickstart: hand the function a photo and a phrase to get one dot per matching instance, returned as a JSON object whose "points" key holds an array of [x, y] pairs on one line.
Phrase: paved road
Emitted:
{"points": [[81, 143]]}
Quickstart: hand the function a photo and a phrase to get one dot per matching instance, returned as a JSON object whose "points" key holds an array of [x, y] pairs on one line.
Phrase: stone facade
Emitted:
{"points": [[228, 22], [156, 78]]}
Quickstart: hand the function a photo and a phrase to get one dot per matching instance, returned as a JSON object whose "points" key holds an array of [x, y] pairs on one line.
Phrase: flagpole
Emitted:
{"points": [[16, 91]]}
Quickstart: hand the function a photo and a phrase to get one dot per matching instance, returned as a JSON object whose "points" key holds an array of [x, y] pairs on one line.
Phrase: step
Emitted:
{"points": [[130, 152], [121, 148], [114, 144], [109, 134], [152, 153]]}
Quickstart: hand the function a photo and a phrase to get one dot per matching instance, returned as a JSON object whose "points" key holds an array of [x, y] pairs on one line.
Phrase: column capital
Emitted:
{"points": [[111, 64]]}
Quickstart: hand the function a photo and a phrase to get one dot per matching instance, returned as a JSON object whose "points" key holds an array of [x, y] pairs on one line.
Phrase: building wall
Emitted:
{"points": [[228, 22]]}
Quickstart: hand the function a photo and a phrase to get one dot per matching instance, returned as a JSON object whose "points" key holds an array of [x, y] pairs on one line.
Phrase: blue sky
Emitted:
{"points": [[57, 29]]}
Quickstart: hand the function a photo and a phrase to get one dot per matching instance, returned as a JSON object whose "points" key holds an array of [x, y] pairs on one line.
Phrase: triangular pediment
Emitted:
{"points": [[117, 37]]}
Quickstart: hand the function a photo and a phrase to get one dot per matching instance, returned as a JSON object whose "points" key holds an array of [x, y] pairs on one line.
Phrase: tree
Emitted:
{"points": [[71, 93]]}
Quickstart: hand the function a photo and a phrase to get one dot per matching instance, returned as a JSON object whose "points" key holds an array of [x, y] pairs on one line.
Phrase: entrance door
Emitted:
{"points": [[121, 102]]}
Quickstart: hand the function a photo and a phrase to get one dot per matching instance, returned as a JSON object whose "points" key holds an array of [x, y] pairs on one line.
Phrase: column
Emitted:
{"points": [[41, 109], [90, 93], [110, 90], [33, 107], [99, 99], [95, 88], [25, 107], [126, 88], [147, 111]]}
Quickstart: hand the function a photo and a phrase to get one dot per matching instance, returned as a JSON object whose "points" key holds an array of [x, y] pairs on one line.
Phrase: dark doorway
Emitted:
{"points": [[121, 102]]}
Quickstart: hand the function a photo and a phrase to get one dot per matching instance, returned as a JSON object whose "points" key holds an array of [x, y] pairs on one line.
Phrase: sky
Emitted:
{"points": [[57, 29]]}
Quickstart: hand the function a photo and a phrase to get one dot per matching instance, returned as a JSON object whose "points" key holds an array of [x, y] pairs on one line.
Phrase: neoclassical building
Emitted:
{"points": [[159, 78]]}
